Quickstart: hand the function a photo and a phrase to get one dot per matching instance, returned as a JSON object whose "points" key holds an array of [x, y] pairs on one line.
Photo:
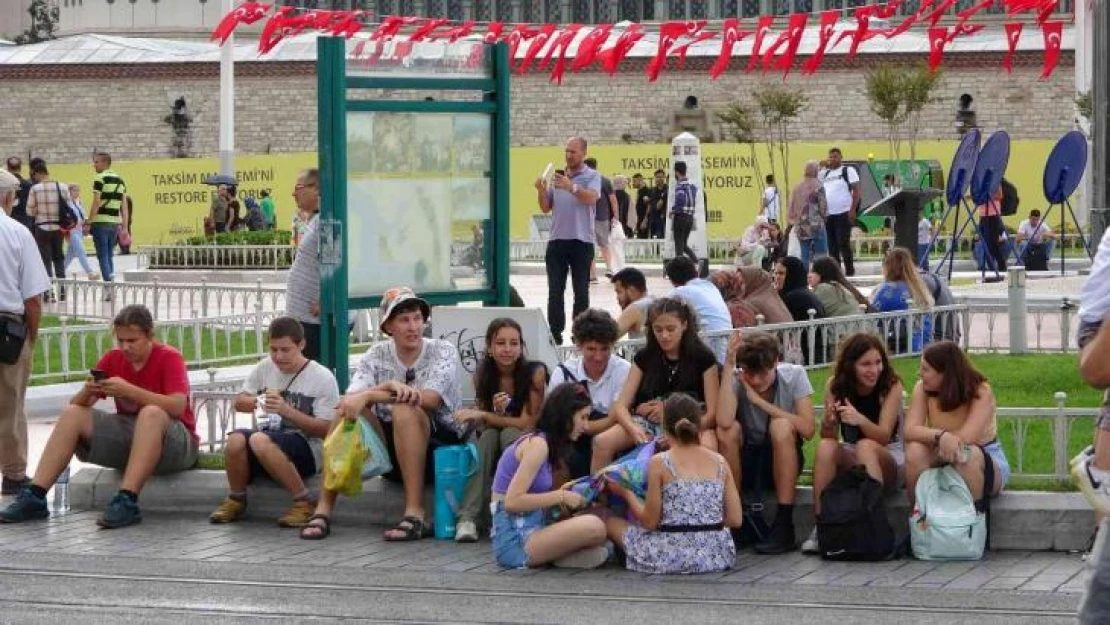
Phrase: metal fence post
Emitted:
{"points": [[259, 347], [1065, 324], [204, 297], [1060, 437], [1019, 343], [156, 305], [63, 321]]}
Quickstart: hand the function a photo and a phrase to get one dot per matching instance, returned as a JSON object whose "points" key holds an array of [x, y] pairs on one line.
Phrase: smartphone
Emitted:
{"points": [[98, 375], [560, 172]]}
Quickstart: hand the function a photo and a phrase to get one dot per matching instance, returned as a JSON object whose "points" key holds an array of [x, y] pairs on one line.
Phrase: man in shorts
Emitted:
{"points": [[296, 398], [153, 430], [772, 402], [408, 388]]}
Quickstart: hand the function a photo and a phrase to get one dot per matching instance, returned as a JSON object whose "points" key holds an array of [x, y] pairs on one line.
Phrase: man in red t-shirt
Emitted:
{"points": [[152, 431]]}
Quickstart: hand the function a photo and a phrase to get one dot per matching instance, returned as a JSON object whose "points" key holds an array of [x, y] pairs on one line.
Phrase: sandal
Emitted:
{"points": [[314, 530], [412, 528]]}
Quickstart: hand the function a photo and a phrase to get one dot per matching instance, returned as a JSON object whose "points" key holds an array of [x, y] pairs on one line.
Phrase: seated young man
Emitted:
{"points": [[773, 403], [630, 286], [299, 398], [153, 430], [601, 371], [408, 388]]}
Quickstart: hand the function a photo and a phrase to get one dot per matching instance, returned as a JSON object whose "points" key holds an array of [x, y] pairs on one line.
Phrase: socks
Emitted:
{"points": [[38, 491], [785, 514], [240, 497], [134, 497]]}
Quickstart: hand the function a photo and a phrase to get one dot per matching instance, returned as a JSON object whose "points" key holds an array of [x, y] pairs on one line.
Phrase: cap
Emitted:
{"points": [[394, 298]]}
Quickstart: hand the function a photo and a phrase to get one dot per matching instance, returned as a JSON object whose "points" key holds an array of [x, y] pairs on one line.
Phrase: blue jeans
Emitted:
{"points": [[76, 249], [104, 238], [812, 248]]}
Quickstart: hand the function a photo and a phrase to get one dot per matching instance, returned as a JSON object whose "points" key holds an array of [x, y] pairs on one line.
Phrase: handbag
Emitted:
{"points": [[13, 336], [123, 236]]}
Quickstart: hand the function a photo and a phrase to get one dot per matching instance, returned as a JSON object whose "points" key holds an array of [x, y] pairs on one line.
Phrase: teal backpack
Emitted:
{"points": [[947, 523]]}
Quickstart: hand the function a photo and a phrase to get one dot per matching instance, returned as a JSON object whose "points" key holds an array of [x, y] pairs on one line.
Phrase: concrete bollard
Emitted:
{"points": [[1015, 291]]}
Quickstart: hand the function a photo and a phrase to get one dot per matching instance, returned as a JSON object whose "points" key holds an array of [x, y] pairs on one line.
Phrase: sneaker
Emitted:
{"points": [[12, 487], [121, 512], [466, 532], [1094, 483], [810, 546], [780, 540], [26, 507], [1083, 455], [298, 515], [230, 511], [590, 558]]}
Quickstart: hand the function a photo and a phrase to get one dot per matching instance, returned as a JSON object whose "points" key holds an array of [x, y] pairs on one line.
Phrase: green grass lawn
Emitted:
{"points": [[1018, 381]]}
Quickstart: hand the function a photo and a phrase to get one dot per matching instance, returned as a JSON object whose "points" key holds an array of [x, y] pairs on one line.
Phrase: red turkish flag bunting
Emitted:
{"points": [[454, 34], [825, 33], [909, 21], [590, 46], [680, 51], [392, 25], [423, 31], [937, 14], [970, 12], [1013, 35], [862, 31], [612, 57], [539, 40], [795, 29], [281, 24], [887, 11], [761, 28], [938, 38], [493, 33], [517, 36], [964, 30], [730, 35], [1053, 32], [348, 24], [669, 34], [1047, 10], [247, 13], [562, 44]]}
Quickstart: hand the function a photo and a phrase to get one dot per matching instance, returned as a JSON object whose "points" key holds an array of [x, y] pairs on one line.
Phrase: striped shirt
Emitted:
{"points": [[43, 201], [111, 188], [303, 286]]}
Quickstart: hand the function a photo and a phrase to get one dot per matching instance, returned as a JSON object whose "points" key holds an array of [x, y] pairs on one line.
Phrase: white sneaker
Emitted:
{"points": [[1094, 483], [810, 546], [1083, 455], [466, 532], [590, 558]]}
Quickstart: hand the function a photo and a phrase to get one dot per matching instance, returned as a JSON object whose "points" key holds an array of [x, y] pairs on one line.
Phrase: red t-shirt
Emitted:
{"points": [[164, 373]]}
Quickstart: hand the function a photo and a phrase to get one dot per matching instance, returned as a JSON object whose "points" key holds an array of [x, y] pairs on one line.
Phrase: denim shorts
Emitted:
{"points": [[509, 534], [994, 450]]}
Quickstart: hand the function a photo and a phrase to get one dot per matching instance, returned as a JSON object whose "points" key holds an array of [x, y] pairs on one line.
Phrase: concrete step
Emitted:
{"points": [[1020, 520]]}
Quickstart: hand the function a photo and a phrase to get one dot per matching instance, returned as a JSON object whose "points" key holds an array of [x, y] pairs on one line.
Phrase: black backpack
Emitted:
{"points": [[853, 524], [1010, 199], [67, 215]]}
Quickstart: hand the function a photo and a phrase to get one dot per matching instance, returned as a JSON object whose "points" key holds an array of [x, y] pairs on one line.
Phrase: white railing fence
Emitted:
{"points": [[218, 256], [95, 299]]}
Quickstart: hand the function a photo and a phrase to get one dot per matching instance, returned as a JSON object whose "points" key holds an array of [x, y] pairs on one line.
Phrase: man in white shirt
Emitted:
{"points": [[771, 200], [1037, 233], [22, 283], [601, 372], [842, 191]]}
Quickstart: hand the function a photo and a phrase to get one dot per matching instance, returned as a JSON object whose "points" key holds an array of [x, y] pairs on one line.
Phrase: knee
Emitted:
{"points": [[782, 431], [74, 414], [259, 442], [918, 455], [594, 529], [236, 443], [728, 436], [406, 415], [152, 416], [867, 449], [826, 450]]}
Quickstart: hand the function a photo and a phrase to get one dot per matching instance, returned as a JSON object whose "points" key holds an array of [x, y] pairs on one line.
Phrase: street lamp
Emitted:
{"points": [[965, 115]]}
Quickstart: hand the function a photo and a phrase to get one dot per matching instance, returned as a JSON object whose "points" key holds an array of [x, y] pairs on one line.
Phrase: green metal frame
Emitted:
{"points": [[333, 106]]}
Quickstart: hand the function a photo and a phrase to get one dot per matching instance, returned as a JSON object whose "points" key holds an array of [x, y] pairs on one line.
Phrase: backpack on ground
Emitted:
{"points": [[947, 523], [1036, 257], [853, 524], [1010, 199], [813, 216]]}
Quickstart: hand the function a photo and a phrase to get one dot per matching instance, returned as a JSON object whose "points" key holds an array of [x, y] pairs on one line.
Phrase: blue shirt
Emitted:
{"points": [[713, 316], [572, 220]]}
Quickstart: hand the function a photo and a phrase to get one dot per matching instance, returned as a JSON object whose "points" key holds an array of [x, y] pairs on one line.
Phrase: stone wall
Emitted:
{"points": [[63, 112]]}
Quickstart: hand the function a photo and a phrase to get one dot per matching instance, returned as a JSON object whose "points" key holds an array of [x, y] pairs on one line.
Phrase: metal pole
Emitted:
{"points": [[1018, 338], [227, 100], [1100, 117]]}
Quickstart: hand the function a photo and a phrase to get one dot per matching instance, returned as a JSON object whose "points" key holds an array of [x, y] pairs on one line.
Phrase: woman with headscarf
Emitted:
{"points": [[807, 216], [749, 292], [793, 285]]}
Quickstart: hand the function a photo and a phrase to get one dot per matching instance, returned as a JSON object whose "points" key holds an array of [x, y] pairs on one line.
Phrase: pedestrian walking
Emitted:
{"points": [[105, 213], [842, 194], [75, 247]]}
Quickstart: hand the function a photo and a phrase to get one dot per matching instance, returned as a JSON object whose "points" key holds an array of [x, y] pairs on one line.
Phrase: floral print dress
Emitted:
{"points": [[687, 505]]}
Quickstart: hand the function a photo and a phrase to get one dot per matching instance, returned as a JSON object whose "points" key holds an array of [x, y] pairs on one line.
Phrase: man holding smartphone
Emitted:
{"points": [[572, 199], [153, 430]]}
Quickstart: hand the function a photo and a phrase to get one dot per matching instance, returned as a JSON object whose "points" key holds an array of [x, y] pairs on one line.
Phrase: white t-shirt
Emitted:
{"points": [[771, 201], [924, 231], [604, 391], [1025, 231], [313, 391], [838, 193], [1094, 296], [24, 275]]}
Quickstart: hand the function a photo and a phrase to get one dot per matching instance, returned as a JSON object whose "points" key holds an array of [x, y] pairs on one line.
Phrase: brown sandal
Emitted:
{"points": [[412, 529], [316, 531]]}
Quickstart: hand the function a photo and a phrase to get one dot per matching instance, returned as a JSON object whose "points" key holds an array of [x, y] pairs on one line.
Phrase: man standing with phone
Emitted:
{"points": [[21, 287], [842, 191], [572, 199]]}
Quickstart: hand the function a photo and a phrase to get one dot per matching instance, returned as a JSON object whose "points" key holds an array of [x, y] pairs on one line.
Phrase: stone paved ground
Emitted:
{"points": [[260, 542]]}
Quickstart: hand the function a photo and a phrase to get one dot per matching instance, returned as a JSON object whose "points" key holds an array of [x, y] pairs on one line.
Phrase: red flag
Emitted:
{"points": [[937, 14], [454, 34], [887, 11], [964, 30], [861, 33], [825, 33], [761, 28], [539, 40], [562, 44], [669, 32], [1014, 7], [493, 33], [730, 34], [247, 13], [680, 51], [421, 32], [969, 12], [909, 21], [1047, 10], [612, 57], [590, 46], [1013, 35], [391, 25], [281, 24], [796, 28], [517, 36], [348, 24], [1053, 32], [768, 55], [320, 20], [938, 38]]}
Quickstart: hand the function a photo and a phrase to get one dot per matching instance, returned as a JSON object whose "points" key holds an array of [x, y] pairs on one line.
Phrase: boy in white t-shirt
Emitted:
{"points": [[924, 238], [1091, 468], [771, 200]]}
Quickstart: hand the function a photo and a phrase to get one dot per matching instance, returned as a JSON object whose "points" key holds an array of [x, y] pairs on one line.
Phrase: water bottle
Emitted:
{"points": [[61, 492]]}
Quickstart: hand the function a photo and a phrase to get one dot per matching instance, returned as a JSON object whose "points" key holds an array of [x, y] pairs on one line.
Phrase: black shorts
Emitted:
{"points": [[293, 444], [757, 466], [440, 437]]}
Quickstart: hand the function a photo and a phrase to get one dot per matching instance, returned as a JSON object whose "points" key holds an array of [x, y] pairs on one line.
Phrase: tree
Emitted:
{"points": [[899, 96], [44, 22], [918, 86], [740, 125], [779, 107]]}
